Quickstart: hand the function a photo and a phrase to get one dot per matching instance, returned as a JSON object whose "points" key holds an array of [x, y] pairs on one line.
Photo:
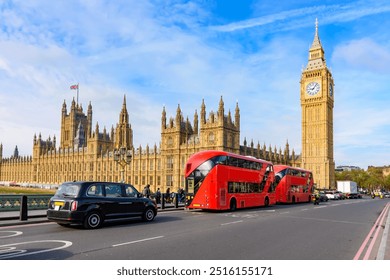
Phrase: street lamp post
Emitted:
{"points": [[122, 156]]}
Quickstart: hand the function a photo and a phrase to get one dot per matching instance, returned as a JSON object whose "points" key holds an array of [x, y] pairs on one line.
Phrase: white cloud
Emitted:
{"points": [[365, 54]]}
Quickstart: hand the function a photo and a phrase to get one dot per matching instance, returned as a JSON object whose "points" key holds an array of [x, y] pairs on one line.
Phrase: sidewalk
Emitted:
{"points": [[11, 218]]}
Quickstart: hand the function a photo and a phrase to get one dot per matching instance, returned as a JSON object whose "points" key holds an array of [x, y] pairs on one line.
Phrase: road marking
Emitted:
{"points": [[372, 236], [319, 207], [235, 222], [10, 233], [10, 250], [138, 241]]}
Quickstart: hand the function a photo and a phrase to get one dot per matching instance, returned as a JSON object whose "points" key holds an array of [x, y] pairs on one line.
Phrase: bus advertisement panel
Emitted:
{"points": [[293, 184], [218, 180]]}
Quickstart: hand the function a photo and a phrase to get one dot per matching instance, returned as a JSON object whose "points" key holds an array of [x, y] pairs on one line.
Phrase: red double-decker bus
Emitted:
{"points": [[293, 184], [218, 180]]}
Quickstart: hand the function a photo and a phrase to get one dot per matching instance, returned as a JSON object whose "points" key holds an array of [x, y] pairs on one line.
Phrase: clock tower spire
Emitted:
{"points": [[316, 53], [317, 102]]}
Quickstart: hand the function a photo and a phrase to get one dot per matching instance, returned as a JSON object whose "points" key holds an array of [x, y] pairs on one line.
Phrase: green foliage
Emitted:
{"points": [[371, 179]]}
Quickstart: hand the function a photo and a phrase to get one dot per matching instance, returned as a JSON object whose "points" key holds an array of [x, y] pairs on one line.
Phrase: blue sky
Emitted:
{"points": [[164, 53]]}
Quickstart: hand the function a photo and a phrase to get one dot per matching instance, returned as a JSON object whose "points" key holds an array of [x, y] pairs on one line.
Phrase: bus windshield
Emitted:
{"points": [[279, 176], [195, 179]]}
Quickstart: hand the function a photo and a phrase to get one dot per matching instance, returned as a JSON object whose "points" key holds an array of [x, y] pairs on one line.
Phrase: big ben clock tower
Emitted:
{"points": [[317, 100]]}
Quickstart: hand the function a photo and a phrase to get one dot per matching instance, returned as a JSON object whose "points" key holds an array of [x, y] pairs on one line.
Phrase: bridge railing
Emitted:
{"points": [[14, 202]]}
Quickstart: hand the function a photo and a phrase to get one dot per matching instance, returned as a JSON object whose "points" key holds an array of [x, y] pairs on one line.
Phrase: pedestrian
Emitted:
{"points": [[181, 195], [146, 191], [158, 196], [168, 195]]}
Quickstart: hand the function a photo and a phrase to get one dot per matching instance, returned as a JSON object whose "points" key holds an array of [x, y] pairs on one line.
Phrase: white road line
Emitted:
{"points": [[240, 221], [12, 251], [10, 233], [138, 241]]}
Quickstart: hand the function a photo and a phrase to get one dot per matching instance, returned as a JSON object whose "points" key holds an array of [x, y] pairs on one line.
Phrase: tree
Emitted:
{"points": [[371, 179]]}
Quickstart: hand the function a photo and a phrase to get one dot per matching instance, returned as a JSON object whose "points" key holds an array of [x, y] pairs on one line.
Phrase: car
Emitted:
{"points": [[341, 195], [332, 195], [354, 195], [323, 197], [90, 204]]}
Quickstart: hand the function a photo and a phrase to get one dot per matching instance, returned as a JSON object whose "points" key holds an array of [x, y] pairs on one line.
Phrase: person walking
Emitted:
{"points": [[168, 195], [158, 196], [146, 191]]}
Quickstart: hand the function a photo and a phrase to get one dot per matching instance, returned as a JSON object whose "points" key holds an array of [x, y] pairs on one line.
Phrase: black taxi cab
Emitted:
{"points": [[92, 203]]}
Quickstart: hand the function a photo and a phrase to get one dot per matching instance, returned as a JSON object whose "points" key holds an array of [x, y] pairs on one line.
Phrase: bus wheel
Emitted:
{"points": [[266, 202], [293, 200], [233, 205]]}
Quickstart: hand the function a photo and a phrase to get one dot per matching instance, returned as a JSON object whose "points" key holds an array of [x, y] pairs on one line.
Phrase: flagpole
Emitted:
{"points": [[77, 93]]}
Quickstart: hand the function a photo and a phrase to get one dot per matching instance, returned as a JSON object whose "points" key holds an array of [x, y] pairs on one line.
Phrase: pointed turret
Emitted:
{"points": [[16, 152], [64, 109], [316, 42], [237, 117], [164, 119], [221, 109], [178, 117], [123, 132], [316, 53], [89, 120], [196, 123], [124, 116], [203, 113]]}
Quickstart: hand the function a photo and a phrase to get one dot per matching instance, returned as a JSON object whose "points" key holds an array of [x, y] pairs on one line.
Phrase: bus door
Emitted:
{"points": [[222, 173], [222, 196]]}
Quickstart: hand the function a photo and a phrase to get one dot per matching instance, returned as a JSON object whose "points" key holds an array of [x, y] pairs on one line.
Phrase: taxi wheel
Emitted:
{"points": [[93, 220], [148, 215]]}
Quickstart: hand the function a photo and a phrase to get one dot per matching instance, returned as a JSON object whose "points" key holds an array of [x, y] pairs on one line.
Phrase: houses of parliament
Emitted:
{"points": [[87, 152]]}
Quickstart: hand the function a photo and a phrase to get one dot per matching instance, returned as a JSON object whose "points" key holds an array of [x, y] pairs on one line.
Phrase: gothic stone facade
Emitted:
{"points": [[87, 154]]}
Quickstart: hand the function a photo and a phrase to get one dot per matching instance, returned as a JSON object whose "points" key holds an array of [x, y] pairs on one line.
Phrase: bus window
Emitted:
{"points": [[220, 160], [280, 175]]}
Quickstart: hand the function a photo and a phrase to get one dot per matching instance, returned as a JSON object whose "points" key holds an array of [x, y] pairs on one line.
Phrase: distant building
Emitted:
{"points": [[385, 169], [342, 168]]}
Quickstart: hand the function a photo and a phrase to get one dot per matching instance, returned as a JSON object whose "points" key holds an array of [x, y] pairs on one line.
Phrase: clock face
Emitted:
{"points": [[330, 90], [313, 88]]}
